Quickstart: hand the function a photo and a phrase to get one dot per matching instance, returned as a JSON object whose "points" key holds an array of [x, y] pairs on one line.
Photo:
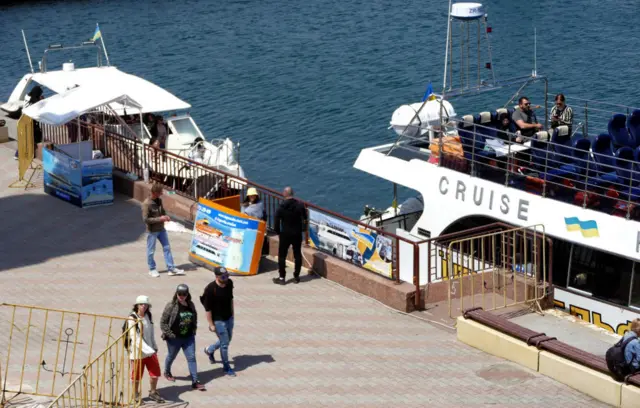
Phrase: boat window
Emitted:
{"points": [[635, 290], [560, 261], [186, 129], [337, 234], [605, 276]]}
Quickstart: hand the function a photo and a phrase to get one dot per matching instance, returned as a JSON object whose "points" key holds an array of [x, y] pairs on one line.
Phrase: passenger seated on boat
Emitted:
{"points": [[504, 127], [198, 153], [525, 120], [561, 114]]}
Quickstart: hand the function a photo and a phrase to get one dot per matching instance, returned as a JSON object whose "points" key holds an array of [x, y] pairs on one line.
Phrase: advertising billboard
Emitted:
{"points": [[351, 242], [225, 237]]}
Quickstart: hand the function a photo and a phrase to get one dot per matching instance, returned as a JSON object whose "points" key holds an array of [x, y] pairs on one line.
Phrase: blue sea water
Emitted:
{"points": [[304, 86]]}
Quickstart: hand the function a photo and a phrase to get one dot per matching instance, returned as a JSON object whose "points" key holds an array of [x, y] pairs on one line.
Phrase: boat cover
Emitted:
{"points": [[63, 107], [151, 97]]}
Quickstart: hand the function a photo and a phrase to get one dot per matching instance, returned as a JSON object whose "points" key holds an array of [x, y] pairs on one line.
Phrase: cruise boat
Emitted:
{"points": [[184, 137], [580, 183]]}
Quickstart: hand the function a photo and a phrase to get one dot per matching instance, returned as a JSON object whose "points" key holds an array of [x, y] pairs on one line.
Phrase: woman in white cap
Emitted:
{"points": [[147, 354], [178, 324], [253, 205]]}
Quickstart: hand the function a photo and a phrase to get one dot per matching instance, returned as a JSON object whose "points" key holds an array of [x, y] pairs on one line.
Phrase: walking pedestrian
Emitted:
{"points": [[290, 222], [154, 217], [143, 352], [218, 303], [179, 323]]}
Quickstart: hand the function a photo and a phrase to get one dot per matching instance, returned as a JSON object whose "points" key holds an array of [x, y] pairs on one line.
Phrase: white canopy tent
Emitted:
{"points": [[64, 107]]}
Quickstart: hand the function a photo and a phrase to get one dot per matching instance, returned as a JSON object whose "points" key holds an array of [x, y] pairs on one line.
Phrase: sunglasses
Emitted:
{"points": [[527, 104], [224, 276], [182, 293]]}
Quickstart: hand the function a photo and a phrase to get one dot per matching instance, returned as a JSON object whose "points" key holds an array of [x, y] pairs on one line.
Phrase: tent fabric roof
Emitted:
{"points": [[63, 107], [151, 97]]}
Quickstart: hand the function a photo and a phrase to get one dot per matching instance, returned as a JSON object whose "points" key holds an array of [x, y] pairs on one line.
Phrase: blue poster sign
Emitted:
{"points": [[97, 182], [82, 183], [351, 242], [62, 176], [225, 237]]}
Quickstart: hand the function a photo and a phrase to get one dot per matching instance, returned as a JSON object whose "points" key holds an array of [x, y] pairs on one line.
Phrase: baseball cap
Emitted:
{"points": [[142, 300], [220, 270]]}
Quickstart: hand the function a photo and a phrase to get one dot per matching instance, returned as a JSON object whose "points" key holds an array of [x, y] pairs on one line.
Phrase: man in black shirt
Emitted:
{"points": [[290, 222], [217, 300]]}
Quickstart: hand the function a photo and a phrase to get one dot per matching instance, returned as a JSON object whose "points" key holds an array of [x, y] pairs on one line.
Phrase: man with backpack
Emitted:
{"points": [[623, 358]]}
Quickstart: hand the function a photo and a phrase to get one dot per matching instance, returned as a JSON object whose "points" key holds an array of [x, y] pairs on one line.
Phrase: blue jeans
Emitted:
{"points": [[225, 332], [163, 237], [188, 345]]}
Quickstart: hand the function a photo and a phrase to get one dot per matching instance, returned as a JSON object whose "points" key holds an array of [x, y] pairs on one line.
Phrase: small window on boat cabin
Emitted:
{"points": [[604, 275], [186, 128], [635, 289], [560, 261]]}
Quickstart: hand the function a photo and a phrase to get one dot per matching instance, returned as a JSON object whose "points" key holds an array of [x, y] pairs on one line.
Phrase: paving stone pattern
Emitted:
{"points": [[313, 344]]}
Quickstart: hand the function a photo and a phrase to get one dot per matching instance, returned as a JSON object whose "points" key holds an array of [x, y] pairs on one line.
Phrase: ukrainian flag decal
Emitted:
{"points": [[589, 229]]}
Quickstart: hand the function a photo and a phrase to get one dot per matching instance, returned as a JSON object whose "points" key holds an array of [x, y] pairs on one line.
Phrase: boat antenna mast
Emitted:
{"points": [[535, 53], [467, 17], [26, 47], [446, 50]]}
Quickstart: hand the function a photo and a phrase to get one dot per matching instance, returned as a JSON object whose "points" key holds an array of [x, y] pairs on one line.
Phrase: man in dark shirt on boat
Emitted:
{"points": [[525, 119], [290, 222]]}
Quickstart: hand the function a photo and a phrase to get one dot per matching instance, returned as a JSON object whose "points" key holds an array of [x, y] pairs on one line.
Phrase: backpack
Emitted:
{"points": [[616, 362], [125, 331]]}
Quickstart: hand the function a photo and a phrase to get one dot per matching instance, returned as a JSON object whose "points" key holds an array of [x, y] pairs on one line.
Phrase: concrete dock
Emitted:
{"points": [[309, 345]]}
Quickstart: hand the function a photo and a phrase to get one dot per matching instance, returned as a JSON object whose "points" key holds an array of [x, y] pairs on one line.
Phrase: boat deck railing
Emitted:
{"points": [[598, 171]]}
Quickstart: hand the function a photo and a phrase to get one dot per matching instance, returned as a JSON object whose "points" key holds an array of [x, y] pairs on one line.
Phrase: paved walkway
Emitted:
{"points": [[312, 344]]}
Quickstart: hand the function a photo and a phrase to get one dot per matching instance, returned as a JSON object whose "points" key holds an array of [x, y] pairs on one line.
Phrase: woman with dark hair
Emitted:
{"points": [[179, 323], [143, 352], [504, 126], [561, 114], [253, 205]]}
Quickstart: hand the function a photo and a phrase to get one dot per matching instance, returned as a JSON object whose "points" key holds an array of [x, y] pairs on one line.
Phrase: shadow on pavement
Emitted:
{"points": [[38, 227], [239, 363]]}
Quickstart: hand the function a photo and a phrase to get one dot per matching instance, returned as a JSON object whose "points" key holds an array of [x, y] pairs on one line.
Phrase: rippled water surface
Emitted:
{"points": [[303, 86]]}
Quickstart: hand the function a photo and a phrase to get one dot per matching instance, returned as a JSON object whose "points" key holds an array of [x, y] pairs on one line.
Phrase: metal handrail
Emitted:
{"points": [[93, 380], [135, 148], [587, 182], [62, 48]]}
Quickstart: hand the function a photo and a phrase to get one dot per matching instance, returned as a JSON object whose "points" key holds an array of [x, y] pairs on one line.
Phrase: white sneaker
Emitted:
{"points": [[176, 272], [154, 273]]}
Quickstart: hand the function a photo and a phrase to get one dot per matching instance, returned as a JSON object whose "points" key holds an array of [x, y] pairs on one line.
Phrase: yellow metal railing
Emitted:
{"points": [[105, 381], [497, 270], [44, 350]]}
